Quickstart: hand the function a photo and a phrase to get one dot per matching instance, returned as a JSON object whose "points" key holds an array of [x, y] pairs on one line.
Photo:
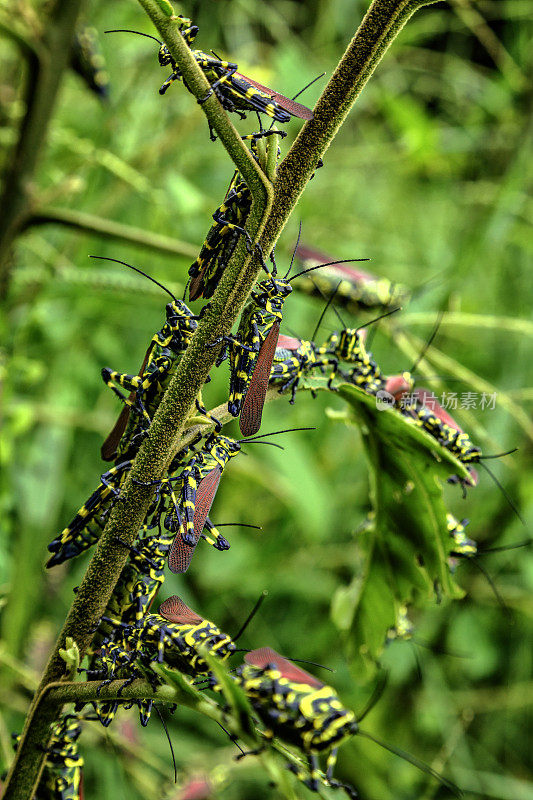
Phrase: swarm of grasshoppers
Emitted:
{"points": [[131, 639]]}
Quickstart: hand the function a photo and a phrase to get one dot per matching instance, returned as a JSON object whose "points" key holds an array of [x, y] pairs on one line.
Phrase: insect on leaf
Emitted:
{"points": [[405, 552], [265, 656]]}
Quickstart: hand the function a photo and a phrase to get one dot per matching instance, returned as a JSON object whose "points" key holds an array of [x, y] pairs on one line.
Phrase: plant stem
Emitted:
{"points": [[46, 707], [61, 692], [460, 319], [110, 230], [28, 48], [43, 81], [380, 26]]}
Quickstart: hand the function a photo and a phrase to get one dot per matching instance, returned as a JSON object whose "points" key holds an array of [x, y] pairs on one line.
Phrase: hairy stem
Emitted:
{"points": [[61, 692], [199, 86]]}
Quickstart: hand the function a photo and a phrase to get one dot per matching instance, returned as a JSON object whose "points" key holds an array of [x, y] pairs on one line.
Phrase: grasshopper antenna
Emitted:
{"points": [[501, 602], [307, 87], [330, 300], [335, 309], [504, 547], [294, 250], [231, 737], [239, 525], [274, 433], [163, 723], [500, 455], [270, 444], [376, 695], [415, 762], [138, 33], [136, 269], [251, 615], [429, 342], [501, 487], [328, 264], [381, 316]]}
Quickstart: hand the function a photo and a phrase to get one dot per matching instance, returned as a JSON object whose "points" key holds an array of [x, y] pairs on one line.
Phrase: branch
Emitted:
{"points": [[43, 82], [28, 48], [110, 230], [61, 692], [56, 694], [460, 319], [179, 691], [197, 425]]}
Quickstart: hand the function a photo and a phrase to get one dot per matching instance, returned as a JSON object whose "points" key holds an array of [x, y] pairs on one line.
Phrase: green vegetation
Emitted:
{"points": [[428, 178]]}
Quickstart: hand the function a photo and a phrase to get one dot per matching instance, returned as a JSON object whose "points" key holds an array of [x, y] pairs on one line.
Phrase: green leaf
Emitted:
{"points": [[404, 553], [71, 656], [179, 682], [233, 694]]}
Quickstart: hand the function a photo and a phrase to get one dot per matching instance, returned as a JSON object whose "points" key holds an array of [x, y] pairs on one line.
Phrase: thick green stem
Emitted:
{"points": [[44, 79], [61, 692], [49, 702], [111, 230]]}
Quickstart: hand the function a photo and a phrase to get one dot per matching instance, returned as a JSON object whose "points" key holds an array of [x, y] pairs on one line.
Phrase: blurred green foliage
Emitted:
{"points": [[428, 178]]}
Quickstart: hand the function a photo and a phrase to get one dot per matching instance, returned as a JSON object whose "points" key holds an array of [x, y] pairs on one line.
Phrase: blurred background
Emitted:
{"points": [[429, 179]]}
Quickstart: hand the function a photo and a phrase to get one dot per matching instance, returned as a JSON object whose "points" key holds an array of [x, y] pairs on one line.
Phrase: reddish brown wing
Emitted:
{"points": [[205, 494], [252, 407], [180, 555], [428, 399], [294, 108], [175, 610], [287, 343], [397, 386], [265, 655], [108, 450], [196, 285]]}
